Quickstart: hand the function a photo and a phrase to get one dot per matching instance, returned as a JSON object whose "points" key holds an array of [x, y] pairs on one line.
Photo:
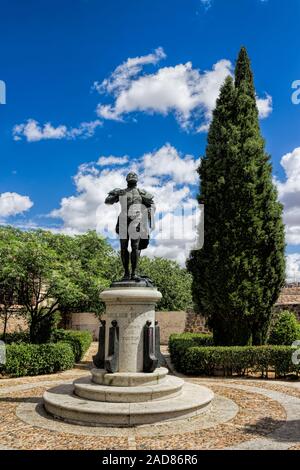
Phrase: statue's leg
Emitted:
{"points": [[135, 254], [125, 257]]}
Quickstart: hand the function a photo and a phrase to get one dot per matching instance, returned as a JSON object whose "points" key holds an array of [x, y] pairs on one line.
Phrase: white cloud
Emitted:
{"points": [[265, 106], [170, 176], [13, 204], [293, 267], [167, 161], [289, 194], [111, 160], [121, 77], [32, 131], [181, 89]]}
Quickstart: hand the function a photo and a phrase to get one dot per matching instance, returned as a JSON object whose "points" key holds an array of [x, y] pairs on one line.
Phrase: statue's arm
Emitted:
{"points": [[113, 196]]}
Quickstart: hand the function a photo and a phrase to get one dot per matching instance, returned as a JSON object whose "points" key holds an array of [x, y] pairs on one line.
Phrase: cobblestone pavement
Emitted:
{"points": [[245, 414]]}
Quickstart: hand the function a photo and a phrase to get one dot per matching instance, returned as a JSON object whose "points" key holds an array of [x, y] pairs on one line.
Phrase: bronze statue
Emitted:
{"points": [[134, 222]]}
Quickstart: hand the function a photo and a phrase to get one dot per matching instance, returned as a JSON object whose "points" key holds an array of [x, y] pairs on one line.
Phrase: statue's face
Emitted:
{"points": [[132, 177]]}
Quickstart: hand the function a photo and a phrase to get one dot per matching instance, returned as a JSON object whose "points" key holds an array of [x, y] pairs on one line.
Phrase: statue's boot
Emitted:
{"points": [[125, 261]]}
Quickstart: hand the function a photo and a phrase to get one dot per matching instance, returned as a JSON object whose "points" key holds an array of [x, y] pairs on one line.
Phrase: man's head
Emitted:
{"points": [[132, 178]]}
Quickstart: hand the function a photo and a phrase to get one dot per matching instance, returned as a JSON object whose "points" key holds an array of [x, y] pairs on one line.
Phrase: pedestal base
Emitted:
{"points": [[140, 401], [134, 395]]}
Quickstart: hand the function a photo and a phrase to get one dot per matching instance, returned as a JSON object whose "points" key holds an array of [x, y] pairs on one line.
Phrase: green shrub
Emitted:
{"points": [[178, 343], [43, 328], [16, 337], [190, 358], [79, 340], [285, 329], [37, 359], [239, 360]]}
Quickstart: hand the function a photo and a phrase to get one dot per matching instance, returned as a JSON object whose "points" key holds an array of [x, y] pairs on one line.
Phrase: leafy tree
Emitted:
{"points": [[171, 280], [238, 274], [9, 277], [55, 273], [285, 330]]}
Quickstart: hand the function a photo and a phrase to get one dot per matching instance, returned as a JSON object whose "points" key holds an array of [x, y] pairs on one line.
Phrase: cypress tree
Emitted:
{"points": [[238, 274]]}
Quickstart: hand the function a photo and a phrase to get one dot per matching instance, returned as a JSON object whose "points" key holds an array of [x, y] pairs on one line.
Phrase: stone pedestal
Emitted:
{"points": [[131, 308], [130, 395]]}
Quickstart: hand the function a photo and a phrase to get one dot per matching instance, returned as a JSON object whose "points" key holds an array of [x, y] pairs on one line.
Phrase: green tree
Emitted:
{"points": [[171, 280], [49, 274], [9, 276], [238, 274], [285, 330]]}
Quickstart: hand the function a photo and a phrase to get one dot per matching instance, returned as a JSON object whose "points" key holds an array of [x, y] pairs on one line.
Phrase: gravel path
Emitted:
{"points": [[245, 414]]}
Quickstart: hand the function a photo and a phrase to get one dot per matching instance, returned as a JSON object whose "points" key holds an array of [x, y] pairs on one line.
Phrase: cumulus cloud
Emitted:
{"points": [[265, 106], [293, 267], [121, 77], [289, 194], [33, 131], [182, 90], [172, 184], [13, 203], [112, 160]]}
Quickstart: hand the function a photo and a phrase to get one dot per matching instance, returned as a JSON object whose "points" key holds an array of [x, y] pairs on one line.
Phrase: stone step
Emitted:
{"points": [[168, 388], [129, 379], [62, 403]]}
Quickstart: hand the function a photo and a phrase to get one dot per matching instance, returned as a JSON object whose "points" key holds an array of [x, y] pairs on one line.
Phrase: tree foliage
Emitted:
{"points": [[54, 273], [285, 330], [238, 274], [171, 280]]}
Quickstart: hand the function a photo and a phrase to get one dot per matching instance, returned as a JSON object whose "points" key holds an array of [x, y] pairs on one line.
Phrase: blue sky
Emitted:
{"points": [[135, 81]]}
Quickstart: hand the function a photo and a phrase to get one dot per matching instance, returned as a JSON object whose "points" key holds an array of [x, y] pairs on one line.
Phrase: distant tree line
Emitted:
{"points": [[45, 275]]}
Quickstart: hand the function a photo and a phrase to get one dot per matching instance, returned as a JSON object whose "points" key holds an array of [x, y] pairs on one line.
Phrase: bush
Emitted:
{"points": [[79, 340], [178, 343], [285, 329], [16, 337], [43, 330], [190, 358], [37, 359]]}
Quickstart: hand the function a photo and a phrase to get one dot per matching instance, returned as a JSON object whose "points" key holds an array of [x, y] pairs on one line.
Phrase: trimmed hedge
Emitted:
{"points": [[79, 340], [189, 358], [179, 343], [37, 359]]}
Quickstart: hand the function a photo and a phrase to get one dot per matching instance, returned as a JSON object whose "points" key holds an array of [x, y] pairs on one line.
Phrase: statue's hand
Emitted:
{"points": [[118, 192]]}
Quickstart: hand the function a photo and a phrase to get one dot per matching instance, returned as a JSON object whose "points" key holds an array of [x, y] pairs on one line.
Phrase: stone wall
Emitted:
{"points": [[291, 307], [83, 321], [15, 323], [169, 322], [195, 323]]}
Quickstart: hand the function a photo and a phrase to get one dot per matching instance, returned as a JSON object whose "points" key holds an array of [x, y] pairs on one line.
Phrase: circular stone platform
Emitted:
{"points": [[127, 399], [131, 396], [61, 402]]}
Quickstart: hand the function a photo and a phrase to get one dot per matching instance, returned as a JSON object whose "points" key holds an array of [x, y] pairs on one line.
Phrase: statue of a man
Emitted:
{"points": [[134, 222]]}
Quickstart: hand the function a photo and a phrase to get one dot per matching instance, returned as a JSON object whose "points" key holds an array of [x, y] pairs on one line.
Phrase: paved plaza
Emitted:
{"points": [[245, 414]]}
